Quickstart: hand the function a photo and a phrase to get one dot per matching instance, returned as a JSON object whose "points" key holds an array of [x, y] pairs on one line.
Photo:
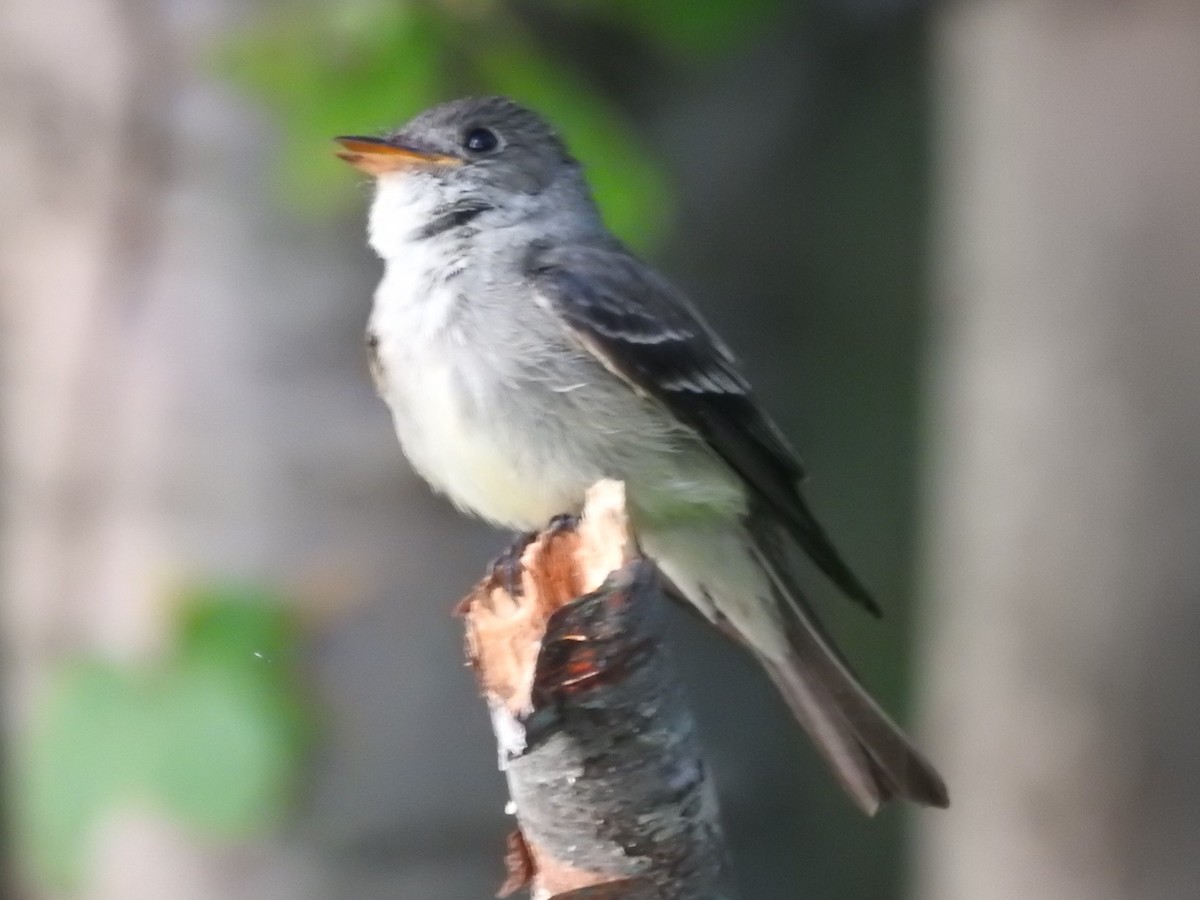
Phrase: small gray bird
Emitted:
{"points": [[526, 354]]}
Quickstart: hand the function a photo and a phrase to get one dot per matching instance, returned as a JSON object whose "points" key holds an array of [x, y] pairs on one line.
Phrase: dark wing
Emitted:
{"points": [[644, 330]]}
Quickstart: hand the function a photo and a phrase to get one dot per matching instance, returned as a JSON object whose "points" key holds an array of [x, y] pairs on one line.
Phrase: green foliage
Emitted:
{"points": [[212, 735], [79, 760], [331, 70], [366, 65], [692, 28]]}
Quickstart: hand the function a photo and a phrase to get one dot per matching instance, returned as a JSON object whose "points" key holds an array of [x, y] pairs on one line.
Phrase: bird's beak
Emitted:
{"points": [[377, 156]]}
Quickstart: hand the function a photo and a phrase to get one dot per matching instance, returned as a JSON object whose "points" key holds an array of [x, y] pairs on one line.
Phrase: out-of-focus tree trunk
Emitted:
{"points": [[83, 168], [79, 169], [83, 153], [1065, 567]]}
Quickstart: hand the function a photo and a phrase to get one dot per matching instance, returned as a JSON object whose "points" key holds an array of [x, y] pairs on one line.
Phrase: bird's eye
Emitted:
{"points": [[481, 140]]}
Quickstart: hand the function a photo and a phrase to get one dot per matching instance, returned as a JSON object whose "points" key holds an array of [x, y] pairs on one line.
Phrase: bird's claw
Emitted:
{"points": [[562, 522], [506, 568]]}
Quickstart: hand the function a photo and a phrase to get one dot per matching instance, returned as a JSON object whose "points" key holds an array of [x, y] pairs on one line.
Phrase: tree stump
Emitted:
{"points": [[610, 791]]}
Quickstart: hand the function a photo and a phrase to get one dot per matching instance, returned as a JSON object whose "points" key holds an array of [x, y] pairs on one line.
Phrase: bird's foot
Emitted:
{"points": [[506, 568], [560, 523]]}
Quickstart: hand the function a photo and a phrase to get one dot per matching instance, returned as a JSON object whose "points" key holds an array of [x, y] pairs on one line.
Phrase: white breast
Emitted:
{"points": [[421, 353], [443, 427]]}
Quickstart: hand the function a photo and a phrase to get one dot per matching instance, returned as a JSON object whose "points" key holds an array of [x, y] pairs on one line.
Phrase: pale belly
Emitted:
{"points": [[497, 469]]}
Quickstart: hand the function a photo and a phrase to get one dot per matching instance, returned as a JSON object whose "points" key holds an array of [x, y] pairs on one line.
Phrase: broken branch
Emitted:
{"points": [[610, 792]]}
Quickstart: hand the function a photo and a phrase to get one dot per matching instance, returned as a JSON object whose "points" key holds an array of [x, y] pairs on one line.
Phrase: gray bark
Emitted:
{"points": [[1065, 572], [608, 785]]}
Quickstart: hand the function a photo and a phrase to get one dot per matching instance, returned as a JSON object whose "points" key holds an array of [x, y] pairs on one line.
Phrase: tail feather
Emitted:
{"points": [[870, 755], [848, 756], [741, 580]]}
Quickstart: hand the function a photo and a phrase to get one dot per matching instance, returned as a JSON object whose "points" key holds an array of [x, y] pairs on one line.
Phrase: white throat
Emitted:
{"points": [[414, 300], [404, 203]]}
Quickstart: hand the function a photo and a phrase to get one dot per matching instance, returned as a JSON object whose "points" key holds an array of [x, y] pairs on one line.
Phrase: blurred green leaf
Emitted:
{"points": [[214, 734], [354, 67], [234, 624], [228, 747], [81, 758], [697, 28]]}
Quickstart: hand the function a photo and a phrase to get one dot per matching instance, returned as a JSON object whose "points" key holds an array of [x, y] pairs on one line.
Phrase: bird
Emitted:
{"points": [[525, 354]]}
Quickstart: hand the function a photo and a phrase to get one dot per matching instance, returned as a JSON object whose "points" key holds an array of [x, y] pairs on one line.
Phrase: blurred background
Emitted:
{"points": [[956, 245]]}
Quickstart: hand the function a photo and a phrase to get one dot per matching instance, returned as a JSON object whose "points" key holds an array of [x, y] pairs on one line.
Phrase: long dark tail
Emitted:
{"points": [[870, 755]]}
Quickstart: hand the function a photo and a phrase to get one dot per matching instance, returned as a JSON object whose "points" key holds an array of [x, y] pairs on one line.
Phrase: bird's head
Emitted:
{"points": [[488, 150]]}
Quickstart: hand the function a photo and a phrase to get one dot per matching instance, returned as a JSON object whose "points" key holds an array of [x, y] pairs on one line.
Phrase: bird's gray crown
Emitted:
{"points": [[497, 140]]}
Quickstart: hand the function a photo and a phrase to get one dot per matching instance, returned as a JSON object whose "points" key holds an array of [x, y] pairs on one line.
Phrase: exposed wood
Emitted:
{"points": [[610, 792]]}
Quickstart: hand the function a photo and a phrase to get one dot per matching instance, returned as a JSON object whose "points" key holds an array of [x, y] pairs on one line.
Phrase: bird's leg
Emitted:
{"points": [[560, 523], [506, 568]]}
